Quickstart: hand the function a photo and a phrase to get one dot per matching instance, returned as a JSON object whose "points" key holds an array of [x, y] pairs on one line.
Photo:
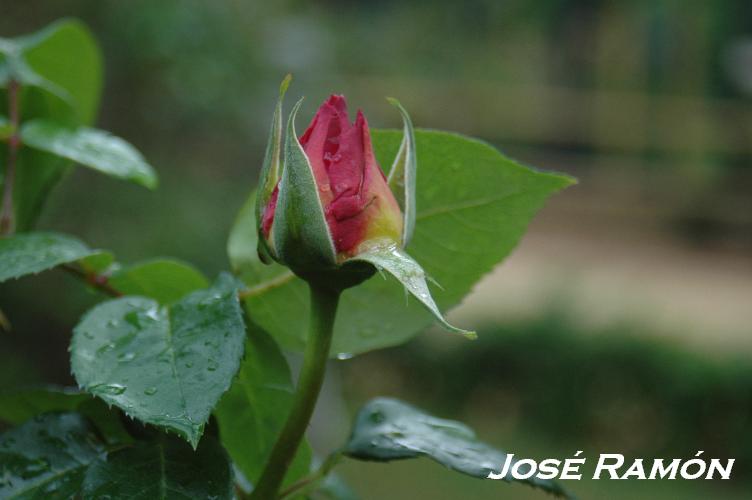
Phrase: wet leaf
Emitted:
{"points": [[388, 429], [31, 253], [164, 280], [18, 406], [58, 456], [91, 148], [398, 263], [165, 365], [166, 469], [47, 457]]}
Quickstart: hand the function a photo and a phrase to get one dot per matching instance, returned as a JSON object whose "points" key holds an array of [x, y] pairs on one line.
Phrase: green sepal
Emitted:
{"points": [[391, 258], [270, 172], [300, 232], [402, 174]]}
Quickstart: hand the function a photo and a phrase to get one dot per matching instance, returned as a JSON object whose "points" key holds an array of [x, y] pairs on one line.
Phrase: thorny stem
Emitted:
{"points": [[7, 220], [323, 311]]}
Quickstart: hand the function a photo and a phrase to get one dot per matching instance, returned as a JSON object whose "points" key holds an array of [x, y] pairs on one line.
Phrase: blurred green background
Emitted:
{"points": [[621, 323]]}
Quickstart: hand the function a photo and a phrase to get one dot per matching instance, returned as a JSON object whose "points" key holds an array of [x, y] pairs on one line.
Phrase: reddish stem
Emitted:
{"points": [[98, 281], [7, 219]]}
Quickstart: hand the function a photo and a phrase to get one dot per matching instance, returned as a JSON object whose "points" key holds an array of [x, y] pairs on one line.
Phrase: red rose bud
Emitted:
{"points": [[358, 203], [326, 210]]}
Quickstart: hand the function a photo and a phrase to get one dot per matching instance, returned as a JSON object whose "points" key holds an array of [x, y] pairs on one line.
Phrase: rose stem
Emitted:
{"points": [[323, 311]]}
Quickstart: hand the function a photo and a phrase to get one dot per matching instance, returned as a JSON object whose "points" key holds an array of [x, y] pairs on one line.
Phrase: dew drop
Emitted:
{"points": [[35, 468], [113, 389], [106, 347], [150, 391], [126, 356], [212, 365], [344, 355], [209, 301], [152, 314]]}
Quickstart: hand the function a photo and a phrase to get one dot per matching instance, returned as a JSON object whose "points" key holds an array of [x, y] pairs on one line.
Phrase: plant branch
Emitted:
{"points": [[98, 281], [7, 219], [320, 473], [266, 285], [323, 311]]}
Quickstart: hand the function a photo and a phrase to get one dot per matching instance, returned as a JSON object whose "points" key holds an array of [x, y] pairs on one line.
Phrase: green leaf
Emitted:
{"points": [[399, 264], [164, 280], [31, 253], [18, 406], [98, 263], [37, 173], [162, 470], [47, 457], [252, 413], [58, 456], [6, 129], [473, 205], [36, 94], [387, 429], [67, 54], [61, 72], [90, 147], [64, 62], [164, 365]]}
